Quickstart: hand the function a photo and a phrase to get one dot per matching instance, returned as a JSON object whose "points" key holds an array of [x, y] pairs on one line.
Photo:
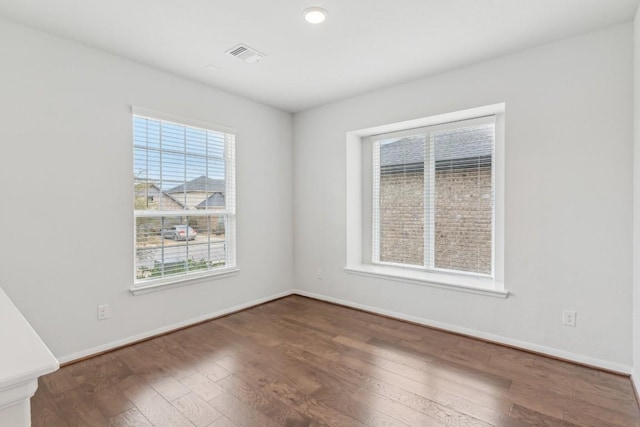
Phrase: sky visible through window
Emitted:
{"points": [[170, 154]]}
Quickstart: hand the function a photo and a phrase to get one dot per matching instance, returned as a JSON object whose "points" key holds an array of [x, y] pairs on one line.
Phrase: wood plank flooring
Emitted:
{"points": [[300, 362]]}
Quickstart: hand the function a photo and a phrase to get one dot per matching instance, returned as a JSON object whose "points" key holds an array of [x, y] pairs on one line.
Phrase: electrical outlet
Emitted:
{"points": [[103, 311], [569, 318], [320, 274]]}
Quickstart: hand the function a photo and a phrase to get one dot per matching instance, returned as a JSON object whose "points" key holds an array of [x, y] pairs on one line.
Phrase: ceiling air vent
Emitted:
{"points": [[246, 53]]}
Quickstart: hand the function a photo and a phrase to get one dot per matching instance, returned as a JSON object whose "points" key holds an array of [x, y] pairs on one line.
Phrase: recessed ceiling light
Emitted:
{"points": [[315, 15], [212, 67]]}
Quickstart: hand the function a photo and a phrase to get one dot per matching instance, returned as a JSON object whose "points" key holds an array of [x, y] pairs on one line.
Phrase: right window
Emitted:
{"points": [[434, 197]]}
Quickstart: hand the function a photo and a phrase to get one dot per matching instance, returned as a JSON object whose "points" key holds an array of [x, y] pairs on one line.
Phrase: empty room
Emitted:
{"points": [[320, 213]]}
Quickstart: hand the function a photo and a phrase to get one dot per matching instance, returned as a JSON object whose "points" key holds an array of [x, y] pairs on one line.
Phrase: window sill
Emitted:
{"points": [[174, 282], [472, 285]]}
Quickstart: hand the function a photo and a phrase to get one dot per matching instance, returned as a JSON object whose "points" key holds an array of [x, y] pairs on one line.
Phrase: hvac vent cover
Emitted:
{"points": [[246, 53]]}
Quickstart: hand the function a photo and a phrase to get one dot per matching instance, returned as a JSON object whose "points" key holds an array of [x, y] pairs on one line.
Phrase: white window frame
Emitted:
{"points": [[361, 244], [429, 240], [230, 268]]}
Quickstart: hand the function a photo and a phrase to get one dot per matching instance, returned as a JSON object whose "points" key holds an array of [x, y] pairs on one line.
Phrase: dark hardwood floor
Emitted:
{"points": [[301, 362]]}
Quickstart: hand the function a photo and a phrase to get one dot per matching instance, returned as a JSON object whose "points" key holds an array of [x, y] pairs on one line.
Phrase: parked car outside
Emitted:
{"points": [[180, 232]]}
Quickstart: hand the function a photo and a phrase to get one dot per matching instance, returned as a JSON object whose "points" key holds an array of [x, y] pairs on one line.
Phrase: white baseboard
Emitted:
{"points": [[561, 354], [163, 330], [498, 339]]}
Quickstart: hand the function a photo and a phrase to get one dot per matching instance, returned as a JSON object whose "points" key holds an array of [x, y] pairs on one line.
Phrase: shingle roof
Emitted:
{"points": [[457, 144], [202, 184], [215, 200], [405, 151]]}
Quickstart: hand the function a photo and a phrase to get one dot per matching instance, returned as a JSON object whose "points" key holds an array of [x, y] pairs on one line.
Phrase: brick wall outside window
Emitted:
{"points": [[463, 218], [402, 218]]}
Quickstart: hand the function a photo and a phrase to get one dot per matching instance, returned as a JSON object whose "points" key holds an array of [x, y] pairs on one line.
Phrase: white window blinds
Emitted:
{"points": [[433, 197], [184, 197]]}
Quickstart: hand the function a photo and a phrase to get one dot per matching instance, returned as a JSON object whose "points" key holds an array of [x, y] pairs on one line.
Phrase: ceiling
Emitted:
{"points": [[363, 45]]}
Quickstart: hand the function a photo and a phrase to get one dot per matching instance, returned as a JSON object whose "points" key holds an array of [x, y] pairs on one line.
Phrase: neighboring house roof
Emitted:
{"points": [[144, 192], [202, 184], [451, 147], [406, 152], [216, 200]]}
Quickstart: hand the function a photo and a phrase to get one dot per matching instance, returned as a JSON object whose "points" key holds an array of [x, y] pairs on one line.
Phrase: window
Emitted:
{"points": [[184, 199], [425, 201], [433, 197]]}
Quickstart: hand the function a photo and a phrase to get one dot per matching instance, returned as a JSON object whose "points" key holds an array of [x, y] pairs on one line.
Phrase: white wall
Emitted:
{"points": [[568, 197], [636, 200], [66, 130]]}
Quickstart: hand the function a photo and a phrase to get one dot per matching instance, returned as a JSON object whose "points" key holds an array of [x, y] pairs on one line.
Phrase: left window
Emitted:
{"points": [[184, 199]]}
